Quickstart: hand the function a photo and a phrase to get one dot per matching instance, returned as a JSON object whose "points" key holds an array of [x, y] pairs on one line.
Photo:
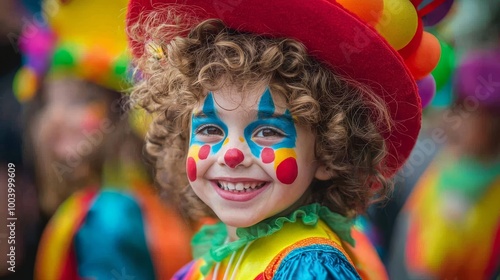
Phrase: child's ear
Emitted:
{"points": [[323, 174]]}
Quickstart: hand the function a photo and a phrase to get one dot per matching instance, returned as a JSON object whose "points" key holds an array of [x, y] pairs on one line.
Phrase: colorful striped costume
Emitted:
{"points": [[300, 246], [113, 234], [468, 248]]}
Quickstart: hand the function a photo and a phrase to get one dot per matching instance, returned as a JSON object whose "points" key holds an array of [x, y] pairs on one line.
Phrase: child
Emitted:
{"points": [[107, 221], [289, 123], [456, 200]]}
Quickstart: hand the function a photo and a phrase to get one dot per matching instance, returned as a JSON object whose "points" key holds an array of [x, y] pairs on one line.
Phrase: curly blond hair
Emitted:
{"points": [[186, 61]]}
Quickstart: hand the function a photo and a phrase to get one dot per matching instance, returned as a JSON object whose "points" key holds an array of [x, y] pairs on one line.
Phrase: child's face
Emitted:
{"points": [[71, 116], [247, 158]]}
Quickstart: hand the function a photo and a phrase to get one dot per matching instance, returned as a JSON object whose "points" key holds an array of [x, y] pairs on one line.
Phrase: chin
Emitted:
{"points": [[65, 156], [237, 221]]}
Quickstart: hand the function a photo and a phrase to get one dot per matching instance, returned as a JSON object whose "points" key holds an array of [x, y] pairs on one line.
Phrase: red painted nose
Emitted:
{"points": [[233, 157]]}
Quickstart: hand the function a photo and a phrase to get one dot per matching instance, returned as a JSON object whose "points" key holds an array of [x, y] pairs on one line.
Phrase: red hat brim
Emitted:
{"points": [[332, 35]]}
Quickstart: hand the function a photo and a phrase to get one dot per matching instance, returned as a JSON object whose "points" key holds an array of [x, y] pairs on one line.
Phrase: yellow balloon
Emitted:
{"points": [[398, 22]]}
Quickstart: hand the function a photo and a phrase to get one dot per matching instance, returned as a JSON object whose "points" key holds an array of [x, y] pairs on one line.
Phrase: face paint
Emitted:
{"points": [[282, 153], [191, 169], [267, 155], [204, 152], [286, 165], [199, 150], [208, 116], [233, 157], [94, 114]]}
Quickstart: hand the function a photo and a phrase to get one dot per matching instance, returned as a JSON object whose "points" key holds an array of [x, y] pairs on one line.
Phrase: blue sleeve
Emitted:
{"points": [[318, 262], [111, 243]]}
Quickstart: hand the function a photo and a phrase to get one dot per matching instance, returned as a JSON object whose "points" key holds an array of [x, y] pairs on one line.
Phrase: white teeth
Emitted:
{"points": [[239, 187]]}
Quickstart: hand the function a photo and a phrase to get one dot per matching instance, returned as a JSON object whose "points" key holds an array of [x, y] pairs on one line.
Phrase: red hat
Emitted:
{"points": [[334, 36]]}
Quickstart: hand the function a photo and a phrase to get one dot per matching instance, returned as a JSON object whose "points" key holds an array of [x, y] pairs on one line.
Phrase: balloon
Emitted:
{"points": [[412, 46], [416, 2], [369, 11], [426, 90], [398, 22], [445, 66], [425, 58], [438, 13]]}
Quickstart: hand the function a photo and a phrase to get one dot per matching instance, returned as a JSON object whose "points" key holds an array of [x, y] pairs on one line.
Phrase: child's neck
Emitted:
{"points": [[303, 200], [231, 233]]}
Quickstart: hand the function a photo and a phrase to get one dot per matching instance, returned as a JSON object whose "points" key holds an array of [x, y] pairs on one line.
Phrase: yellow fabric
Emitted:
{"points": [[444, 247], [263, 250], [365, 258], [58, 236]]}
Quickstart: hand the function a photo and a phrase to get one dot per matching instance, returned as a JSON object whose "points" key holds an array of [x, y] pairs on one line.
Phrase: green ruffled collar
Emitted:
{"points": [[210, 242]]}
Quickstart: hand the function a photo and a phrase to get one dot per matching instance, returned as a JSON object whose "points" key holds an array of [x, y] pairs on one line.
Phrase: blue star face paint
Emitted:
{"points": [[280, 152], [208, 133]]}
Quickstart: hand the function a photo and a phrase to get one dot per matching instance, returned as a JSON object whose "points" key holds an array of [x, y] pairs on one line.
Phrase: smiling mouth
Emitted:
{"points": [[240, 187]]}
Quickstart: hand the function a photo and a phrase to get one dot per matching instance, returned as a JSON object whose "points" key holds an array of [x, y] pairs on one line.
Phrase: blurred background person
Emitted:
{"points": [[450, 226], [106, 220], [451, 223], [434, 87]]}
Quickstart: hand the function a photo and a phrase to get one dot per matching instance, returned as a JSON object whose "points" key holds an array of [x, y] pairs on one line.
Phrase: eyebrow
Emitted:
{"points": [[268, 114], [262, 114], [210, 113]]}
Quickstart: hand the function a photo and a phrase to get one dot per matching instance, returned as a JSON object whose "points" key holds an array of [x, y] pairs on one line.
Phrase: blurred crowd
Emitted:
{"points": [[80, 169]]}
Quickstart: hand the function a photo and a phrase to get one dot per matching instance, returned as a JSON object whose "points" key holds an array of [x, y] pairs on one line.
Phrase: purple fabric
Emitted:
{"points": [[184, 271]]}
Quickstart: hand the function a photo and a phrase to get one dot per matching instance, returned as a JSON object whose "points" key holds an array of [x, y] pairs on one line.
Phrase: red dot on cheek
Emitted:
{"points": [[191, 169], [90, 122], [204, 151], [287, 171], [267, 155]]}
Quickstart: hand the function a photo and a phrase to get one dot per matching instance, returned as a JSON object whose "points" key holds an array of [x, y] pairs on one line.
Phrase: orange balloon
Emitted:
{"points": [[369, 11], [426, 56]]}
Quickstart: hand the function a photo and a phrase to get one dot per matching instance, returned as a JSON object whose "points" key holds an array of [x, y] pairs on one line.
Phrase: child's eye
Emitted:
{"points": [[269, 132], [209, 130]]}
